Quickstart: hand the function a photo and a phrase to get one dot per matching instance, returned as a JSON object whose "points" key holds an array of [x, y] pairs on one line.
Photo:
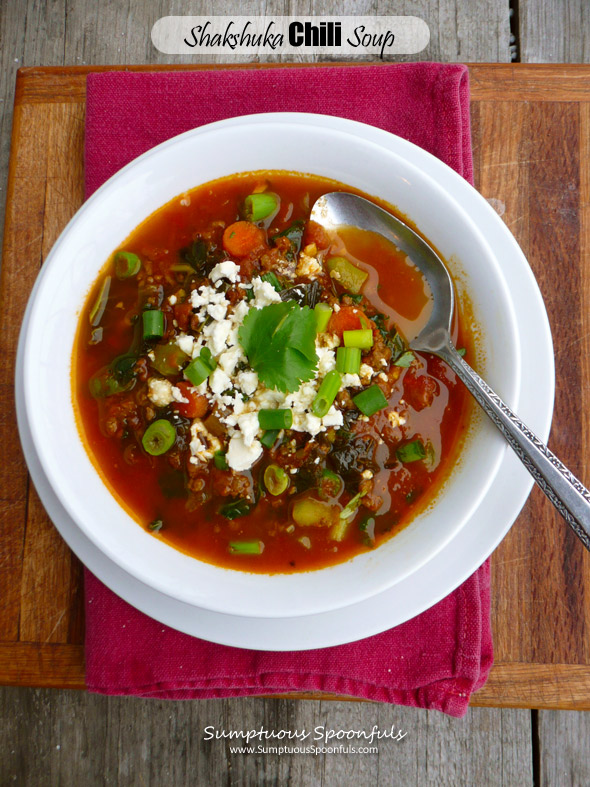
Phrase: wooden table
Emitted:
{"points": [[531, 140]]}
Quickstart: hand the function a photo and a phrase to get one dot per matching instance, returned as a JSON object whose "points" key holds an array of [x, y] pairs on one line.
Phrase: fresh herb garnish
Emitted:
{"points": [[279, 341], [294, 234], [461, 351], [202, 256], [236, 508], [272, 279], [303, 294], [156, 526]]}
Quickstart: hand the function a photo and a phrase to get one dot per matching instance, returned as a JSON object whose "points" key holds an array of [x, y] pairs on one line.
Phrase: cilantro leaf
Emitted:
{"points": [[279, 341]]}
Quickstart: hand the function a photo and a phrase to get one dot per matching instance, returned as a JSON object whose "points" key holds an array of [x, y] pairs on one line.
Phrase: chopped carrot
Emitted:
{"points": [[242, 238]]}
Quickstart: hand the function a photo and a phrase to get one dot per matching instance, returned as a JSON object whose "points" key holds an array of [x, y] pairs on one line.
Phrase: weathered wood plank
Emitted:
{"points": [[564, 749], [554, 31], [69, 738]]}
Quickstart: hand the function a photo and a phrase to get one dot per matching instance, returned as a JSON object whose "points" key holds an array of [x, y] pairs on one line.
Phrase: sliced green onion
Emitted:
{"points": [[405, 359], [411, 452], [351, 508], [322, 312], [275, 419], [348, 360], [330, 484], [269, 438], [246, 547], [275, 480], [207, 356], [326, 394], [97, 310], [197, 371], [153, 324], [159, 437], [260, 206], [220, 461], [127, 264], [236, 508], [362, 338], [346, 274], [313, 513], [272, 279], [367, 528], [371, 400], [339, 530]]}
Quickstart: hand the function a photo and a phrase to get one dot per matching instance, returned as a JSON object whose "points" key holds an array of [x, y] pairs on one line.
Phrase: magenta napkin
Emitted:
{"points": [[440, 657]]}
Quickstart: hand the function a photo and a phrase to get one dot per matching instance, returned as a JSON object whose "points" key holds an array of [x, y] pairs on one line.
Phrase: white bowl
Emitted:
{"points": [[348, 152]]}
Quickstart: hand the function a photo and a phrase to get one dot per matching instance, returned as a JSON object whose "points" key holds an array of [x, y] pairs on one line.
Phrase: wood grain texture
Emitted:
{"points": [[564, 757], [102, 740], [554, 31]]}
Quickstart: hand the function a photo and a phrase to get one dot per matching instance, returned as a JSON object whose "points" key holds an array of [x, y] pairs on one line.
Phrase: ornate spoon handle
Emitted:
{"points": [[568, 495]]}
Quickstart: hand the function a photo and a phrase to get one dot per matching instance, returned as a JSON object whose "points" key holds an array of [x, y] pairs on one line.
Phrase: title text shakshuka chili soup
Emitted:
{"points": [[244, 384]]}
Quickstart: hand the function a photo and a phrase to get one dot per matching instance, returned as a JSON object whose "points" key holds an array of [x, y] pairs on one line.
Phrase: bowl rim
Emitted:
{"points": [[297, 118]]}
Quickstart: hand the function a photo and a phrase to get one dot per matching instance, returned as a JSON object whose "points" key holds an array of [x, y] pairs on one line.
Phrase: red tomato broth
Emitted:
{"points": [[201, 531]]}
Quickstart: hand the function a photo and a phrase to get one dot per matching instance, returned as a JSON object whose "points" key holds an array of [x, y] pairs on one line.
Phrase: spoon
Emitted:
{"points": [[567, 494]]}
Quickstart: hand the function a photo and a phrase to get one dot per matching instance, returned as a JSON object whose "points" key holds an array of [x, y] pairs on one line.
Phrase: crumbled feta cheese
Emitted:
{"points": [[203, 444], [185, 343], [367, 475], [264, 294], [326, 361], [217, 332], [177, 395], [172, 299], [336, 307], [219, 381], [382, 376], [229, 359], [225, 270], [350, 381], [239, 456], [248, 381], [365, 373], [217, 310], [249, 426], [160, 392], [307, 266], [396, 419], [333, 418], [328, 340]]}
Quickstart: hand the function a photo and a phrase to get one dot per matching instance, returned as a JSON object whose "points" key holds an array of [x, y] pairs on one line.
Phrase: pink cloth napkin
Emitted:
{"points": [[433, 661]]}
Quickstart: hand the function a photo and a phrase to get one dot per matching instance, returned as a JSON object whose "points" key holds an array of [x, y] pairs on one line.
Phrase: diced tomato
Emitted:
{"points": [[197, 405], [347, 319], [315, 233], [419, 390]]}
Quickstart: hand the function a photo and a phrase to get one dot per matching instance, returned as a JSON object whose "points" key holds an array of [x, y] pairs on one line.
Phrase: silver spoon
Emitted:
{"points": [[567, 494]]}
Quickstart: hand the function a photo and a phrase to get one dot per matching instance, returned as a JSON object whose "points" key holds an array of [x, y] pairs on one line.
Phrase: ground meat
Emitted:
{"points": [[228, 483], [378, 352], [120, 413], [370, 501], [344, 401]]}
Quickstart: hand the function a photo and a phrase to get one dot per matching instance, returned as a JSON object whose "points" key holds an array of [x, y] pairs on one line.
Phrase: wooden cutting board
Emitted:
{"points": [[531, 147]]}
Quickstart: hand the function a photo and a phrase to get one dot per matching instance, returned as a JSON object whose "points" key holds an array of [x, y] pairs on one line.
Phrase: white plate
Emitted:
{"points": [[455, 562]]}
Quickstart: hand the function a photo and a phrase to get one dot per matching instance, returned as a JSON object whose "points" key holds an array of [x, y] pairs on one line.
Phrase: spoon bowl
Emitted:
{"points": [[565, 491]]}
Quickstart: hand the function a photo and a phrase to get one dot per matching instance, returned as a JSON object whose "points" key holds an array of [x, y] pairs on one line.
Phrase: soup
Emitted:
{"points": [[244, 385]]}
